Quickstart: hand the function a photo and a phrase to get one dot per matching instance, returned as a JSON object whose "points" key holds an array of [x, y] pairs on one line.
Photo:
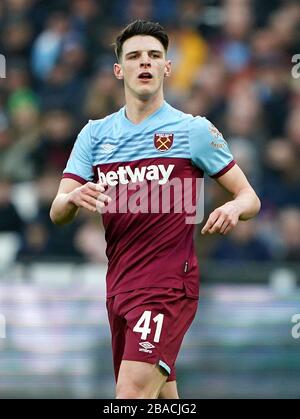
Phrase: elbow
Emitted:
{"points": [[254, 201], [54, 218], [253, 207], [257, 205], [60, 217]]}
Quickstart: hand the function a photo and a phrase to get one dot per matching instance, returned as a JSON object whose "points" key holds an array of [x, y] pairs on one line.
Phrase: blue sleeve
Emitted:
{"points": [[79, 165], [209, 150]]}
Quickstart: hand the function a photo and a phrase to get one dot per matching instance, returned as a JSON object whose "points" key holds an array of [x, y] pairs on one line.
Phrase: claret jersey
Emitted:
{"points": [[150, 168]]}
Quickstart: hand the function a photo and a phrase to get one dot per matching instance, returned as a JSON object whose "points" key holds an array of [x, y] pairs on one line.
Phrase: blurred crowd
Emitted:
{"points": [[232, 62]]}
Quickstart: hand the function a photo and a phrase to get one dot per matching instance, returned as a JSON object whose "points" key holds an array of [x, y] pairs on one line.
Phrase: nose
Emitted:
{"points": [[145, 60]]}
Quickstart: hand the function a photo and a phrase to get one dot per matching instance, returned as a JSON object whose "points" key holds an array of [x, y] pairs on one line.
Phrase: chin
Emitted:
{"points": [[145, 93]]}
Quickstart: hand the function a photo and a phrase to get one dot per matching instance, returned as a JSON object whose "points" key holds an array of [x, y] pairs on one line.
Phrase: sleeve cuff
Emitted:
{"points": [[74, 177], [225, 170]]}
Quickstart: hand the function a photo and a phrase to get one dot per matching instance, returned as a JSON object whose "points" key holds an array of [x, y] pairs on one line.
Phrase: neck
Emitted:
{"points": [[138, 109]]}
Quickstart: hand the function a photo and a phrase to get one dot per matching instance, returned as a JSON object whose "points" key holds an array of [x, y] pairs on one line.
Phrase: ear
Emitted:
{"points": [[168, 68], [118, 71]]}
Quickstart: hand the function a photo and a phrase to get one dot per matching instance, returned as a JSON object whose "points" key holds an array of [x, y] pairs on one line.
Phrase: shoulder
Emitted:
{"points": [[94, 129], [204, 130], [99, 125], [109, 119], [202, 125], [179, 114], [195, 123]]}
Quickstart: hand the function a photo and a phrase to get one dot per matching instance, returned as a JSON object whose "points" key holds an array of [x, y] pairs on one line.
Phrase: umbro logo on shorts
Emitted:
{"points": [[147, 346]]}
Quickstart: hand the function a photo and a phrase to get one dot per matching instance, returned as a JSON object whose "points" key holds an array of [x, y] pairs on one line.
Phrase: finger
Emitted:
{"points": [[104, 198], [210, 222], [91, 185], [217, 225], [104, 184], [100, 205], [95, 187], [101, 187], [88, 206], [92, 193], [214, 222], [227, 229], [224, 227], [206, 227], [90, 201]]}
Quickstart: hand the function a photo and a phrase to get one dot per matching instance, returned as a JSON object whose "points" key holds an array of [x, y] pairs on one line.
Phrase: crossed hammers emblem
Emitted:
{"points": [[162, 142]]}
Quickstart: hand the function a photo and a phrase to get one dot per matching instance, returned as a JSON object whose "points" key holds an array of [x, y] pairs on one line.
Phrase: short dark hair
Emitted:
{"points": [[141, 27]]}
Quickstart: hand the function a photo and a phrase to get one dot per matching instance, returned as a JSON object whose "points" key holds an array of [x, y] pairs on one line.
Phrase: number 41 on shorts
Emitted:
{"points": [[145, 329]]}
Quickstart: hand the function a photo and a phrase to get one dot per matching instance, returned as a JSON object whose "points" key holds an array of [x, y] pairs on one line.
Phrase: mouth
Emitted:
{"points": [[145, 76]]}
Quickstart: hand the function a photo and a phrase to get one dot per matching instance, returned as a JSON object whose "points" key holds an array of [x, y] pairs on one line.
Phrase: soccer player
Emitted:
{"points": [[152, 278]]}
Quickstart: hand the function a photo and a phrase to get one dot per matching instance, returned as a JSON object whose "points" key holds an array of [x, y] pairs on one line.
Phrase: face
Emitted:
{"points": [[143, 66]]}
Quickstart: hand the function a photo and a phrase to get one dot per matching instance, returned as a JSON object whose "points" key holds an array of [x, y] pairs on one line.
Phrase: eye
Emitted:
{"points": [[132, 57]]}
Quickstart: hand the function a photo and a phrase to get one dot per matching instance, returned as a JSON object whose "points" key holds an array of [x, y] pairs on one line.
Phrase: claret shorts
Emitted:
{"points": [[148, 325]]}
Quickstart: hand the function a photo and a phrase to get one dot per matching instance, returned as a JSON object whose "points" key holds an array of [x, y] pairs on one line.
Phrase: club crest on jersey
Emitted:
{"points": [[218, 139], [215, 132], [163, 142]]}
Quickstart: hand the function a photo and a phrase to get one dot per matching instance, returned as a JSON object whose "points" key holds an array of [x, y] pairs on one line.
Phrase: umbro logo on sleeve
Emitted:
{"points": [[108, 148]]}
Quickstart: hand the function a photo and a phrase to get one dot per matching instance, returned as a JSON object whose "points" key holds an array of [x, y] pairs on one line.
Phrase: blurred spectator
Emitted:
{"points": [[33, 11], [39, 242], [57, 138], [41, 239], [272, 67], [289, 226], [285, 22], [34, 243], [242, 245], [18, 77], [293, 127], [63, 89], [47, 45], [103, 95], [211, 84], [73, 55], [281, 181], [22, 135], [126, 10], [84, 13], [10, 220], [5, 142], [18, 37], [244, 113], [187, 52], [246, 154], [234, 47]]}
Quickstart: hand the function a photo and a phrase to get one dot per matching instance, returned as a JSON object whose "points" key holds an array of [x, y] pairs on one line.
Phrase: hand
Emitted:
{"points": [[222, 219], [90, 196]]}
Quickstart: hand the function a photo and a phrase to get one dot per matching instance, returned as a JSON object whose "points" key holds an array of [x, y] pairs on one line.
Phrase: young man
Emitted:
{"points": [[152, 278]]}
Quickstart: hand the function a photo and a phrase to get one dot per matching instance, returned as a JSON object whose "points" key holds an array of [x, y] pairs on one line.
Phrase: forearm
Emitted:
{"points": [[248, 204], [63, 211]]}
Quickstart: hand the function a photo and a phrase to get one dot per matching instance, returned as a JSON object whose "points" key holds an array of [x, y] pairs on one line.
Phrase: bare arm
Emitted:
{"points": [[244, 205], [72, 195]]}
